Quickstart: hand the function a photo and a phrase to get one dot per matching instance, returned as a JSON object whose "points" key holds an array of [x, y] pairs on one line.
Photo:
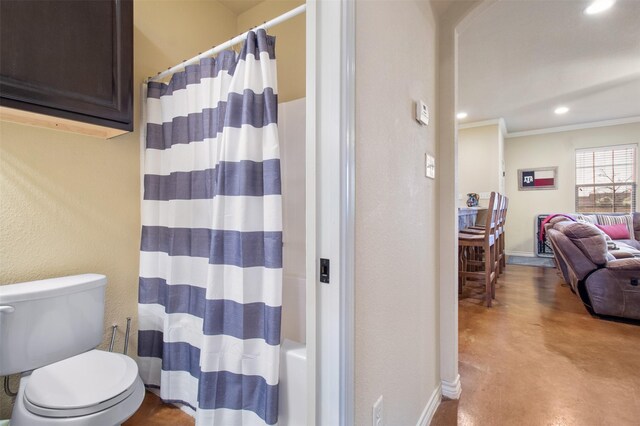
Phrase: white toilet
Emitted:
{"points": [[48, 332]]}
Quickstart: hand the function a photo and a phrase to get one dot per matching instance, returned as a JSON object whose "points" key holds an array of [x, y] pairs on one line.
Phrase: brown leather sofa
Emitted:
{"points": [[606, 275]]}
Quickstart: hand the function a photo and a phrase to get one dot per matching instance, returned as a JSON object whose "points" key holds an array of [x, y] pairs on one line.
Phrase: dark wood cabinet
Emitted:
{"points": [[68, 59]]}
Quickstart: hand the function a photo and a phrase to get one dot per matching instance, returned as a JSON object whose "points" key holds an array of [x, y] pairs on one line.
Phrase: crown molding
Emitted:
{"points": [[592, 125], [494, 122]]}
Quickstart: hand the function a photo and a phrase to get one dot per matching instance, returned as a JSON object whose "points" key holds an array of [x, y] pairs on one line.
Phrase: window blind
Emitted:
{"points": [[606, 179]]}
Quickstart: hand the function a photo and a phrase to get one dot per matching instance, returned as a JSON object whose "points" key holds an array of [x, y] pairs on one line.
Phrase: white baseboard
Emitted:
{"points": [[431, 407], [520, 253], [452, 390]]}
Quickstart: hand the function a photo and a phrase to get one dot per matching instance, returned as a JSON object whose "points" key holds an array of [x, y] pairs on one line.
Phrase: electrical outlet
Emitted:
{"points": [[378, 413]]}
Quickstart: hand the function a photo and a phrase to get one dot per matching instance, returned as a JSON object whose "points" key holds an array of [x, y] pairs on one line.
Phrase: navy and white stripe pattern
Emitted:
{"points": [[210, 292]]}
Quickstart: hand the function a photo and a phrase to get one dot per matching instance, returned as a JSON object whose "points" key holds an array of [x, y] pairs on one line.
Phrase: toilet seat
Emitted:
{"points": [[81, 385]]}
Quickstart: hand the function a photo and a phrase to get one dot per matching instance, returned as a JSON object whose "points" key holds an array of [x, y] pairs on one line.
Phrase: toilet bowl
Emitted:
{"points": [[48, 330], [93, 388]]}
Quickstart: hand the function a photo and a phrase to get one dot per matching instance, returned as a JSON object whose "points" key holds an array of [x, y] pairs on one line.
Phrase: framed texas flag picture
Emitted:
{"points": [[540, 178]]}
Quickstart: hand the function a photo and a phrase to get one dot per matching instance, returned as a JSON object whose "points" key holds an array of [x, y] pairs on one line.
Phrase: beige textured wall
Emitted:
{"points": [[480, 159], [553, 149], [397, 315], [290, 44], [502, 181], [70, 204]]}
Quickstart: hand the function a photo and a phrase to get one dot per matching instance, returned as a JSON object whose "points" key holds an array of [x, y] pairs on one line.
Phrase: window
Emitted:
{"points": [[606, 179]]}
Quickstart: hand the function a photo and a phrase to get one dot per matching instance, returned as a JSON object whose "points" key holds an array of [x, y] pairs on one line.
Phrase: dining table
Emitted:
{"points": [[468, 216]]}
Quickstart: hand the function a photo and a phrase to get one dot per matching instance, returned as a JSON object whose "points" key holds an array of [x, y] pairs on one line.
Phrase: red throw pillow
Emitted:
{"points": [[619, 231]]}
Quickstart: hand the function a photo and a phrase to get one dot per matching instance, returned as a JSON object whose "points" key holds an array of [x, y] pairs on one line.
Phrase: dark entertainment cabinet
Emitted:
{"points": [[70, 60]]}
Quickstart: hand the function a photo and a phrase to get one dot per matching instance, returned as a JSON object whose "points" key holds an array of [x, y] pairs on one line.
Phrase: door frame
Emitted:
{"points": [[330, 184]]}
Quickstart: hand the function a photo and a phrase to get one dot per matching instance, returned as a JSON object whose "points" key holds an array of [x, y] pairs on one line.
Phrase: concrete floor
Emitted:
{"points": [[538, 358]]}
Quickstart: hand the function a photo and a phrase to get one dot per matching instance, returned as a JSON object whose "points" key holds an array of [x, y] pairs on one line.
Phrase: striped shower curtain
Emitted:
{"points": [[211, 250]]}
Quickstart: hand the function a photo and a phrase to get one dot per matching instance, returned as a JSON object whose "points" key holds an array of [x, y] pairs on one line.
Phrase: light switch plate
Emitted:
{"points": [[378, 413], [429, 166]]}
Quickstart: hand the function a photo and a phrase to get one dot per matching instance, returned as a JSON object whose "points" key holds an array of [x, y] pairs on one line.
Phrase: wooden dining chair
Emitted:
{"points": [[501, 240], [487, 262], [499, 232], [479, 229]]}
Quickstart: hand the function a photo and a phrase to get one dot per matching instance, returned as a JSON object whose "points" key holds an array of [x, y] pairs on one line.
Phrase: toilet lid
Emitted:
{"points": [[81, 381]]}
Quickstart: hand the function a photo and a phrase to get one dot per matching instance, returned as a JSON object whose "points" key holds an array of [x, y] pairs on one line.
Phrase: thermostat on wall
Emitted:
{"points": [[422, 113]]}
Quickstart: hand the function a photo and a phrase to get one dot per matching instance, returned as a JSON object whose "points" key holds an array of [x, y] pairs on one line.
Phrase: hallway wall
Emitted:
{"points": [[480, 161], [397, 315]]}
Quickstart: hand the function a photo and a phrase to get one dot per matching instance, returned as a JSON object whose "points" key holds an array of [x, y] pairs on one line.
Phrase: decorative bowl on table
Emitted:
{"points": [[472, 199]]}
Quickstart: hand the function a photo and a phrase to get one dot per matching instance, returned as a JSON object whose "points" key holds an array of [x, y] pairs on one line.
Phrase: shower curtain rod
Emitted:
{"points": [[217, 49]]}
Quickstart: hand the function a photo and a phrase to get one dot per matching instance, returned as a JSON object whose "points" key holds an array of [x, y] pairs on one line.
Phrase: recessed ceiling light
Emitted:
{"points": [[598, 6], [561, 110], [461, 115]]}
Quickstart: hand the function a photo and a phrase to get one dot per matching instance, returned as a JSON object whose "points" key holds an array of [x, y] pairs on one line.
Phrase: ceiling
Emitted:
{"points": [[519, 60], [239, 6]]}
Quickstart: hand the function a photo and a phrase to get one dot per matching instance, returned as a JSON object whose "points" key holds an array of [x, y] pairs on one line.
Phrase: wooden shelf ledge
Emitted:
{"points": [[56, 123]]}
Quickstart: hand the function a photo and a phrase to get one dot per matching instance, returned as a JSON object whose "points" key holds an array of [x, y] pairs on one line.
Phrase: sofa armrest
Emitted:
{"points": [[636, 225], [620, 254], [632, 264]]}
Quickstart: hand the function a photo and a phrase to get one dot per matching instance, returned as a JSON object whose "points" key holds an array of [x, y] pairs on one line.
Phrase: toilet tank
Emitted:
{"points": [[45, 321]]}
